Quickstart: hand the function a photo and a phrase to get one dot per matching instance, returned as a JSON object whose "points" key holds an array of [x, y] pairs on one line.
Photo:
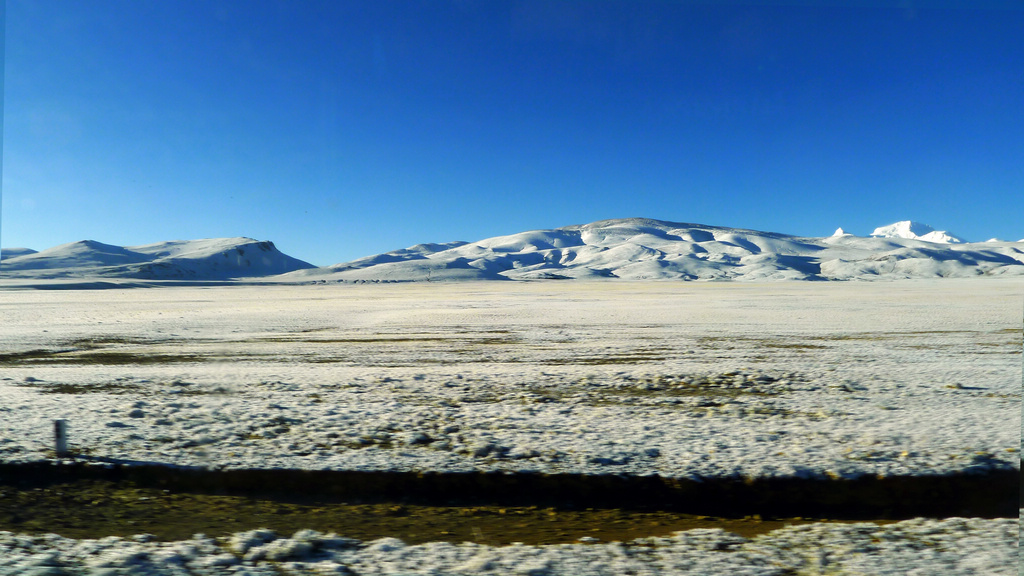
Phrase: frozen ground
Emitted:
{"points": [[951, 547], [681, 380]]}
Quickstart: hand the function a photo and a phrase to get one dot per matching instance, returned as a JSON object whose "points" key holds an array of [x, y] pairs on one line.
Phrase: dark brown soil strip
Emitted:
{"points": [[79, 500], [98, 508]]}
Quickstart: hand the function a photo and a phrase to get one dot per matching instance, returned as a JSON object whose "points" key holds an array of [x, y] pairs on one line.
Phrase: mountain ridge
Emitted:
{"points": [[626, 248], [205, 259], [649, 249]]}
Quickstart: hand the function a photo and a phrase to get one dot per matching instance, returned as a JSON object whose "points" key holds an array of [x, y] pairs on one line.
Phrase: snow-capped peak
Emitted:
{"points": [[903, 229], [839, 232], [916, 231]]}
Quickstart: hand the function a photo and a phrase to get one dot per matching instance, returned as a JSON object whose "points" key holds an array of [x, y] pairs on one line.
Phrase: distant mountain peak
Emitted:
{"points": [[8, 253], [916, 231], [213, 258], [903, 229]]}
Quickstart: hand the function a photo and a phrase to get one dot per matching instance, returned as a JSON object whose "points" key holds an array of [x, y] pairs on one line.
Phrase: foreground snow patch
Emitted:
{"points": [[952, 547]]}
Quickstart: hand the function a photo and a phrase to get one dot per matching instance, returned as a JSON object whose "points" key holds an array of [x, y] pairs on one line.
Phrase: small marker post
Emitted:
{"points": [[60, 436]]}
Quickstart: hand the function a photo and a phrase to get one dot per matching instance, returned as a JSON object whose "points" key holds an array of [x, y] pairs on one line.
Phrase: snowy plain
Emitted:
{"points": [[675, 379], [687, 380]]}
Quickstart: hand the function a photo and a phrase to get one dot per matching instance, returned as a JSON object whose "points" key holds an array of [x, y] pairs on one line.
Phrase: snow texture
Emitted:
{"points": [[952, 547], [676, 379]]}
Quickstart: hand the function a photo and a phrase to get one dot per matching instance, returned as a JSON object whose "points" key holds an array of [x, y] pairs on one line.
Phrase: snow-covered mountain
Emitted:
{"points": [[6, 253], [637, 248], [916, 231], [209, 259], [632, 248]]}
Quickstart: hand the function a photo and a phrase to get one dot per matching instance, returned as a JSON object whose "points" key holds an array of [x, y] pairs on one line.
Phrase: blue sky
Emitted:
{"points": [[340, 129]]}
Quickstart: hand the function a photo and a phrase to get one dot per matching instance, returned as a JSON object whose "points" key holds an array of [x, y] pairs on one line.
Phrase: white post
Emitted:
{"points": [[60, 435]]}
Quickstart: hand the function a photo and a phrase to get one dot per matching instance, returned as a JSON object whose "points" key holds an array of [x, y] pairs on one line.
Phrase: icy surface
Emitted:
{"points": [[675, 379], [953, 547]]}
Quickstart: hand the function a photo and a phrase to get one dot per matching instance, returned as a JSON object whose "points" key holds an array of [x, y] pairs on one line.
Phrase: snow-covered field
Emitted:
{"points": [[674, 379], [677, 379]]}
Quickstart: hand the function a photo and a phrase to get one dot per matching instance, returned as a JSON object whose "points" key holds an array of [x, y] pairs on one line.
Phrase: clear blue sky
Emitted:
{"points": [[339, 129]]}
